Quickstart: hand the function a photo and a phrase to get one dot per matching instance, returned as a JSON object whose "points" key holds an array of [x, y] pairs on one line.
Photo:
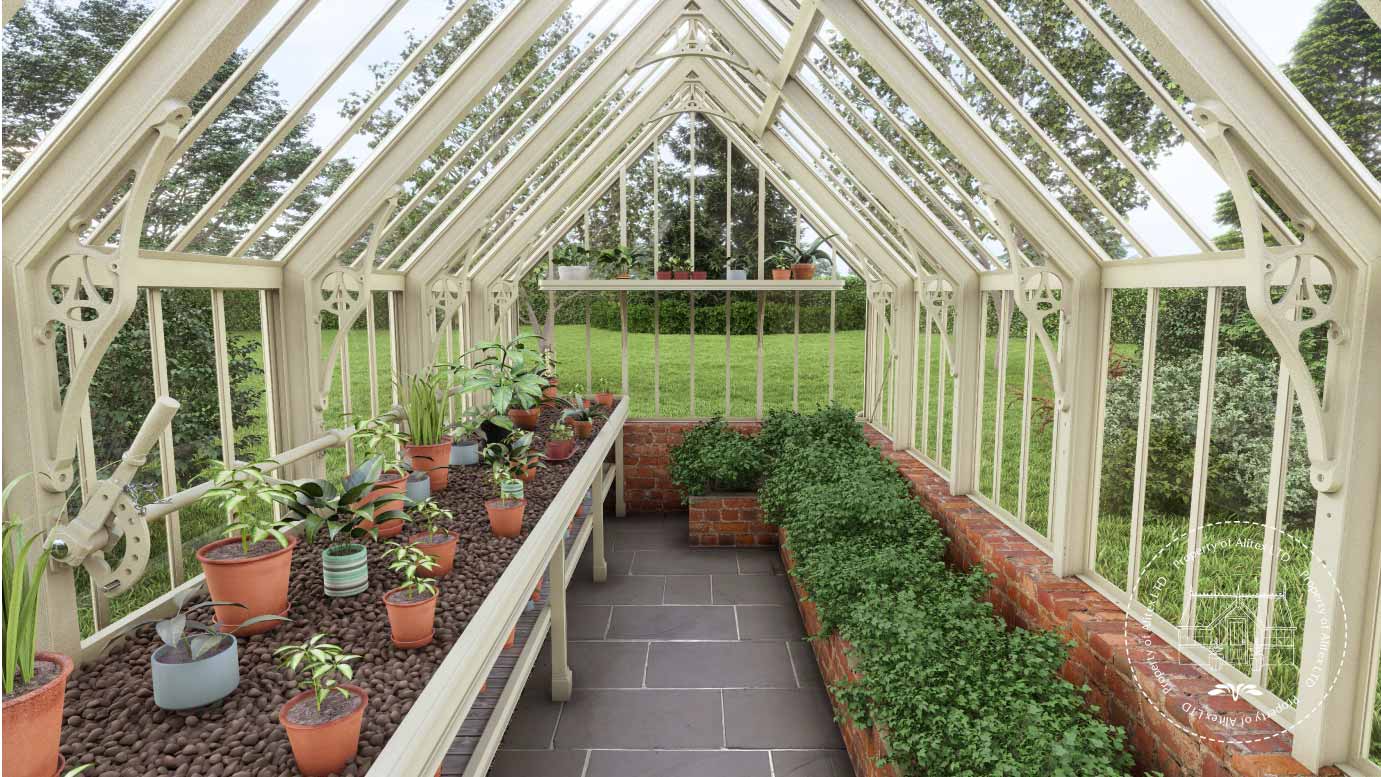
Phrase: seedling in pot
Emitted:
{"points": [[324, 737], [411, 563], [505, 512], [514, 456], [560, 441], [412, 605], [242, 487], [320, 665], [379, 437], [435, 538]]}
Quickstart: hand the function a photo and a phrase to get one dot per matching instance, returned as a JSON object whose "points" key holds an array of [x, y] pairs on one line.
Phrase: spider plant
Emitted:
{"points": [[22, 577], [423, 397]]}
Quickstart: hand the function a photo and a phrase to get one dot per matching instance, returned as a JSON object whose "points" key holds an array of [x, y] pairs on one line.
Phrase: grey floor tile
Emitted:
{"points": [[685, 561], [616, 590], [645, 719], [811, 763], [673, 622], [587, 621], [608, 664], [769, 621], [619, 563], [719, 665], [775, 719], [750, 589], [807, 670], [759, 562], [688, 589], [548, 763], [678, 763], [534, 719]]}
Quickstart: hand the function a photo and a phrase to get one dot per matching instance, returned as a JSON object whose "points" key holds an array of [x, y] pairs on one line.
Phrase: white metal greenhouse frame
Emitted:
{"points": [[911, 230]]}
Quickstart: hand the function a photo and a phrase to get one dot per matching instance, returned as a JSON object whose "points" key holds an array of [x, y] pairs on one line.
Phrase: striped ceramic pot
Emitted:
{"points": [[345, 569]]}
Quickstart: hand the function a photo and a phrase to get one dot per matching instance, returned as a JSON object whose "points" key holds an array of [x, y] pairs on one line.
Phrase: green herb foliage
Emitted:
{"points": [[322, 665], [22, 580], [409, 561], [955, 690], [713, 457], [424, 404]]}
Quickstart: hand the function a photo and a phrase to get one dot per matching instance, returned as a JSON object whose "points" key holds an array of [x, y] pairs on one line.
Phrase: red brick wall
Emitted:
{"points": [[646, 457], [729, 520]]}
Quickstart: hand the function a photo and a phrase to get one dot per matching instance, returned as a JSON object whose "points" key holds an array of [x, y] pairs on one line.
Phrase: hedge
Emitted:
{"points": [[954, 689]]}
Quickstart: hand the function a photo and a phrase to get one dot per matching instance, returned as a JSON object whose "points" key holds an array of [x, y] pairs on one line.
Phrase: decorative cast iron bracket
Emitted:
{"points": [[86, 293], [1039, 293], [935, 292], [343, 292], [1301, 270], [695, 44]]}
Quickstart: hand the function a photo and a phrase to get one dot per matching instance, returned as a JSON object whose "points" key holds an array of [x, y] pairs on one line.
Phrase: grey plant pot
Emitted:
{"points": [[419, 489], [345, 574], [465, 454], [195, 683], [736, 275], [576, 272]]}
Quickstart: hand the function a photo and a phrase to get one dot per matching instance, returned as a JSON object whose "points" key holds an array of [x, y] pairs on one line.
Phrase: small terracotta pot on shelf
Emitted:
{"points": [[528, 474], [411, 623], [664, 275], [506, 516], [549, 393], [325, 748], [435, 460], [803, 272], [605, 398], [537, 592], [259, 582], [781, 274], [512, 638], [33, 723], [682, 275], [560, 449], [700, 275], [443, 552], [581, 429], [525, 418]]}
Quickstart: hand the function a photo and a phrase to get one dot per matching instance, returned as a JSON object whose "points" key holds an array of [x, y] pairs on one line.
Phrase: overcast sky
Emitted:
{"points": [[1272, 24]]}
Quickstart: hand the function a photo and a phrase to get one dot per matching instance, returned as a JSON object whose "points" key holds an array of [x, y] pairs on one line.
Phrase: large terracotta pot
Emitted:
{"points": [[391, 482], [411, 624], [33, 724], [803, 272], [324, 748], [435, 460], [443, 553], [525, 419], [506, 516], [260, 583]]}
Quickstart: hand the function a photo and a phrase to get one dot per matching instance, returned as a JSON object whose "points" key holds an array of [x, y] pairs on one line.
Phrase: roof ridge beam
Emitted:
{"points": [[798, 43]]}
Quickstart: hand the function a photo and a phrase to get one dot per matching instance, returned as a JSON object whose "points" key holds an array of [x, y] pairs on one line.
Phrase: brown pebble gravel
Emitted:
{"points": [[112, 722]]}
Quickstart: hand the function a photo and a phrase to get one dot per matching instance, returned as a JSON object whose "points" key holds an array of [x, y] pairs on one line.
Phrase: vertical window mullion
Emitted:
{"points": [[1143, 436], [1202, 438]]}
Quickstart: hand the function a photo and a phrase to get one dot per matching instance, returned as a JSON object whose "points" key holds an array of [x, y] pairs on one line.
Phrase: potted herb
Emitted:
{"points": [[733, 272], [412, 605], [34, 682], [505, 512], [380, 438], [780, 264], [515, 455], [424, 407], [323, 721], [580, 416], [560, 442], [434, 538], [699, 275], [465, 449], [680, 266], [343, 512], [251, 566], [197, 664], [621, 262], [572, 262], [604, 392], [802, 258], [510, 373], [667, 274]]}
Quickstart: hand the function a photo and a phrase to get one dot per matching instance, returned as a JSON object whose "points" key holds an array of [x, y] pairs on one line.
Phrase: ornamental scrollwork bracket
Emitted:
{"points": [[85, 294], [445, 296], [1038, 291], [343, 293], [1291, 289], [695, 44], [935, 292]]}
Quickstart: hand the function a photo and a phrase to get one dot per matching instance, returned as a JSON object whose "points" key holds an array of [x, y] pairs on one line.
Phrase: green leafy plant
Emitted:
{"points": [[197, 638], [238, 486], [22, 577], [342, 508], [514, 456], [511, 374], [379, 437], [468, 424], [713, 457], [604, 385], [431, 517], [409, 561], [576, 410], [423, 397], [804, 253], [621, 259], [779, 261], [560, 431], [675, 263], [321, 666], [571, 255], [549, 364]]}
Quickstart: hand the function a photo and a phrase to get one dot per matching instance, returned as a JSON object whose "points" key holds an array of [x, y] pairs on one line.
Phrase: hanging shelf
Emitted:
{"points": [[548, 284]]}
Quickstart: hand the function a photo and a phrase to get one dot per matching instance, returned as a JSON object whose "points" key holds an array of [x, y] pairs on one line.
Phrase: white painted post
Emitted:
{"points": [[562, 679]]}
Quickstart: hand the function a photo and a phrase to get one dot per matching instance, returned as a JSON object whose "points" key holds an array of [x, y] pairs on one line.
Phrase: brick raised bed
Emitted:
{"points": [[729, 520], [647, 448]]}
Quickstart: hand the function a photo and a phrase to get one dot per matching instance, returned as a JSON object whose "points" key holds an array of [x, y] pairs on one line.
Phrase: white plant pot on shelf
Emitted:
{"points": [[575, 272], [736, 275]]}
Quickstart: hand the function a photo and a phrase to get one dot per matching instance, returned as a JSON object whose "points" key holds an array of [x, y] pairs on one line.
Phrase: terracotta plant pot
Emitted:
{"points": [[549, 393], [260, 583], [781, 275], [392, 482], [664, 275], [506, 517], [537, 592], [435, 460], [525, 419], [324, 748], [560, 449], [681, 275], [582, 429], [700, 275], [803, 272], [33, 724], [605, 398], [443, 553], [512, 638], [528, 474], [411, 624]]}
